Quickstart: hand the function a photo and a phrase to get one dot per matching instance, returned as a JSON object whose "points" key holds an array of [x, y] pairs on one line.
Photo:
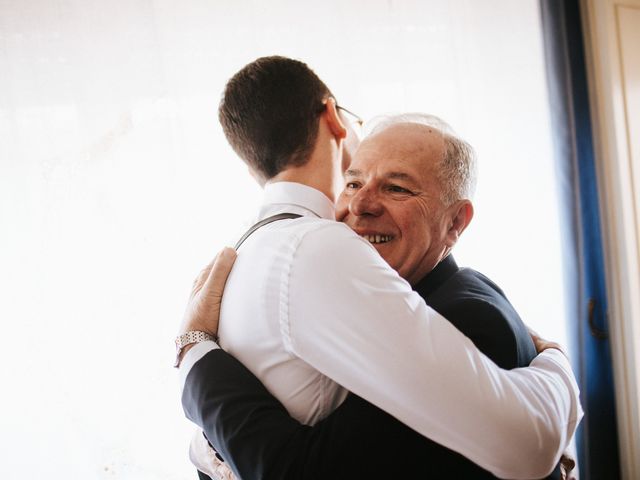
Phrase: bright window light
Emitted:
{"points": [[117, 186]]}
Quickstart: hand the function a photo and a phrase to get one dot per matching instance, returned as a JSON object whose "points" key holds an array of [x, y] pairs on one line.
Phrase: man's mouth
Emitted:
{"points": [[375, 239]]}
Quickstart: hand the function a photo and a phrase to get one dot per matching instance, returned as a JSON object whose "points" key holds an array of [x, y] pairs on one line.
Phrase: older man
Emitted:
{"points": [[312, 309]]}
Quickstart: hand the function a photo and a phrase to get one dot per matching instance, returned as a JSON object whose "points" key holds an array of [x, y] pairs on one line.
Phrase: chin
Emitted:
{"points": [[384, 253]]}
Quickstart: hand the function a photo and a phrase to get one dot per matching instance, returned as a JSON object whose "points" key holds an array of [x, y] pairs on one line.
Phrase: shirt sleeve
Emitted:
{"points": [[350, 316]]}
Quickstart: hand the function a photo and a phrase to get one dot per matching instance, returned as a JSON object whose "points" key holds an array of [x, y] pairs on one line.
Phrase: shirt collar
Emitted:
{"points": [[280, 194]]}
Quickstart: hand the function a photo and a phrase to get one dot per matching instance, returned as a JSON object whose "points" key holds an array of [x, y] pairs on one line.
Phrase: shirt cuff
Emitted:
{"points": [[555, 360], [190, 358]]}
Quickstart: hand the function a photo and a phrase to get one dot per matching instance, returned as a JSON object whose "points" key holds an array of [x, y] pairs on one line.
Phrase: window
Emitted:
{"points": [[117, 186]]}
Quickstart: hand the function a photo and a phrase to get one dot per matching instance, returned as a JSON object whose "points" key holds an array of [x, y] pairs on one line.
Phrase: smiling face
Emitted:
{"points": [[393, 198]]}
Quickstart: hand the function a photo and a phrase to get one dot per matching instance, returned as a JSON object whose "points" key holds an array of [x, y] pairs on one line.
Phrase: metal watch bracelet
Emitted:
{"points": [[188, 338]]}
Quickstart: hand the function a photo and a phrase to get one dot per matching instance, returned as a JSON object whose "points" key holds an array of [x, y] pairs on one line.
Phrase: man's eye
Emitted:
{"points": [[352, 185], [397, 189]]}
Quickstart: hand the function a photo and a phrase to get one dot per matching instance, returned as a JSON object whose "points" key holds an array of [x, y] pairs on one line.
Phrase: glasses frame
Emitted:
{"points": [[357, 118]]}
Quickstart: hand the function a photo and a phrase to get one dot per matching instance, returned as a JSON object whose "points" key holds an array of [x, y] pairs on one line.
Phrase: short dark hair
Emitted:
{"points": [[270, 113]]}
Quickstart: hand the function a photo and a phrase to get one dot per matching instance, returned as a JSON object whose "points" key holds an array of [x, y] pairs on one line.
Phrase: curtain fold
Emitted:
{"points": [[597, 439]]}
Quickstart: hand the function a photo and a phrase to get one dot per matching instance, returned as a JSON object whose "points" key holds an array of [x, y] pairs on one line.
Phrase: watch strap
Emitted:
{"points": [[188, 338]]}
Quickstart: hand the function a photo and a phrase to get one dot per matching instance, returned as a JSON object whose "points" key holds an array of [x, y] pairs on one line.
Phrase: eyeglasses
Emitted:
{"points": [[356, 120]]}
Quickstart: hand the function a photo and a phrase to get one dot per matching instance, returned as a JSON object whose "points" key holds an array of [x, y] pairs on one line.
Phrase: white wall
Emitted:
{"points": [[116, 186]]}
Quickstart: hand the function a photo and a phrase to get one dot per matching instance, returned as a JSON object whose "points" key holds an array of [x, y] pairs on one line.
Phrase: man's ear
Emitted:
{"points": [[336, 126], [460, 215]]}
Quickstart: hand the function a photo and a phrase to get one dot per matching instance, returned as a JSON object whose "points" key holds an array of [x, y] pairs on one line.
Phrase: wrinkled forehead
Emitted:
{"points": [[414, 147]]}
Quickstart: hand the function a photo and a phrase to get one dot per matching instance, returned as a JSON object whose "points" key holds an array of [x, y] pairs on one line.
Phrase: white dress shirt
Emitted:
{"points": [[312, 309]]}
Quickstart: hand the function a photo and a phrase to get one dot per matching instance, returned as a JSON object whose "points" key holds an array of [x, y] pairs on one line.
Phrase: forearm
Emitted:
{"points": [[529, 412], [248, 427]]}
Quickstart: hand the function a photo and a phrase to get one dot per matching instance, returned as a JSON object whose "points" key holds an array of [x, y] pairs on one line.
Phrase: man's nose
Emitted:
{"points": [[365, 202]]}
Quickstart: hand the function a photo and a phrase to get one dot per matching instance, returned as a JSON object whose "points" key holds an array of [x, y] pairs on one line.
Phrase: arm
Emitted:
{"points": [[254, 433], [382, 342], [249, 428], [367, 330], [259, 439]]}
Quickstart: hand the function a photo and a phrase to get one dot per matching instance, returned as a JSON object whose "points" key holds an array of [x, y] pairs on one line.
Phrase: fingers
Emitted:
{"points": [[214, 275], [220, 271], [204, 274]]}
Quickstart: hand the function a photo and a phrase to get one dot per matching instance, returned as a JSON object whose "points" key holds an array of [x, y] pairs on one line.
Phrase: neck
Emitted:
{"points": [[322, 171], [318, 178]]}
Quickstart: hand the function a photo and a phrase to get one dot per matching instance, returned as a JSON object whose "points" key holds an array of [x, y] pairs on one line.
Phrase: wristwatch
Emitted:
{"points": [[193, 336]]}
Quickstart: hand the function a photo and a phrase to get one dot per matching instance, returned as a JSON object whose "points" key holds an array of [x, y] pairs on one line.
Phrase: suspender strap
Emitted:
{"points": [[262, 223]]}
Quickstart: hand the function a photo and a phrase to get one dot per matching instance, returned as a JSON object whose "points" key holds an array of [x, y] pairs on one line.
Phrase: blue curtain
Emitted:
{"points": [[597, 438]]}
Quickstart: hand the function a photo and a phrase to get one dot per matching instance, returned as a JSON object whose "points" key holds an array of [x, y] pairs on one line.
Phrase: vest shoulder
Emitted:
{"points": [[479, 308]]}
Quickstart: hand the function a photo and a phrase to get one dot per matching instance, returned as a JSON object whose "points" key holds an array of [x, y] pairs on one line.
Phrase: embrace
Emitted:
{"points": [[348, 343]]}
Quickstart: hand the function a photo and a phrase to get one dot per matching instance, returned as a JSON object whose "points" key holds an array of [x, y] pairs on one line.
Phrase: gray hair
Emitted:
{"points": [[457, 173]]}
